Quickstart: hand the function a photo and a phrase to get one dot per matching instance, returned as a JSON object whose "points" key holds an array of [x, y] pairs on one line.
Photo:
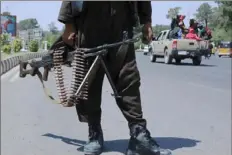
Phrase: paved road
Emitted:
{"points": [[188, 110]]}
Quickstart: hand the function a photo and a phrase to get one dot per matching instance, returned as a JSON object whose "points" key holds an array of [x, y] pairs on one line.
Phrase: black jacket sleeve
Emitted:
{"points": [[144, 11], [65, 15]]}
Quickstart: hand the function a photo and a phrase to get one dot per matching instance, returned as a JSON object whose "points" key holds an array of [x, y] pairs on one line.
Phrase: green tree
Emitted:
{"points": [[158, 28], [17, 45], [29, 23], [220, 34], [217, 17], [221, 21], [4, 40], [50, 37], [6, 49], [204, 13], [225, 10], [34, 46], [173, 12], [52, 28]]}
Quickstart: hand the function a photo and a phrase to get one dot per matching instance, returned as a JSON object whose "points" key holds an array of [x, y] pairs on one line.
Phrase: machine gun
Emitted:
{"points": [[82, 75]]}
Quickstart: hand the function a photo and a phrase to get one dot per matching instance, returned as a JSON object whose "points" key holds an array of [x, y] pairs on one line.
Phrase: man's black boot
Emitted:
{"points": [[141, 143], [94, 145]]}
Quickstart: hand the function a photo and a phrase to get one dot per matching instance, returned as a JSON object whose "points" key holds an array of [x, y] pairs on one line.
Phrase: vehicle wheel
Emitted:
{"points": [[219, 56], [152, 58], [197, 60], [167, 57], [178, 61]]}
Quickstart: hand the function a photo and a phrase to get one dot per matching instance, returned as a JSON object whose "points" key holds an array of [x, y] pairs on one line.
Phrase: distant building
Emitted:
{"points": [[31, 34]]}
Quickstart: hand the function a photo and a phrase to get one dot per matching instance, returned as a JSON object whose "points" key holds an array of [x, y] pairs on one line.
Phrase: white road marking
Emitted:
{"points": [[15, 77], [10, 73]]}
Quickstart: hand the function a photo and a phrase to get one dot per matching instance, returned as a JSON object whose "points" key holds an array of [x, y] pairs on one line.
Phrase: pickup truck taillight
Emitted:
{"points": [[174, 44]]}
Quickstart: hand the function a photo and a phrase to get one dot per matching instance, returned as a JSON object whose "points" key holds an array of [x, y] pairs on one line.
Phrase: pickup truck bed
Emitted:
{"points": [[178, 49]]}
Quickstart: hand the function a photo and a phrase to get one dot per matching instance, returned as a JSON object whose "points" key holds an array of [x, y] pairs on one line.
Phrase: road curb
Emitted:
{"points": [[10, 63]]}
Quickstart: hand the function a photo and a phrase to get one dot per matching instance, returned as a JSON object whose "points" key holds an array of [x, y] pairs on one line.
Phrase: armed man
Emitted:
{"points": [[104, 22]]}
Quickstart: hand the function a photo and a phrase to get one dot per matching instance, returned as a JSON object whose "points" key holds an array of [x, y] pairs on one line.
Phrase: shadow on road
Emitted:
{"points": [[120, 145], [187, 64]]}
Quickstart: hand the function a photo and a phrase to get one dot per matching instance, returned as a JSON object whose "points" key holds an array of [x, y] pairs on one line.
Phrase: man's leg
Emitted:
{"points": [[128, 83], [90, 111], [94, 34]]}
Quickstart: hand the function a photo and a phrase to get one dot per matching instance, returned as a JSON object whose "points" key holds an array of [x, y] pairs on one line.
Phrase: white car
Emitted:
{"points": [[146, 49], [179, 49]]}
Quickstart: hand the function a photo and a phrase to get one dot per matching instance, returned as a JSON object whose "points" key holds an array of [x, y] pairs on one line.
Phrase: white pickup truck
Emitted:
{"points": [[178, 49]]}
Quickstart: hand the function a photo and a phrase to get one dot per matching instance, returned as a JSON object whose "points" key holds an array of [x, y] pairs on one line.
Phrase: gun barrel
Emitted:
{"points": [[106, 46], [47, 60]]}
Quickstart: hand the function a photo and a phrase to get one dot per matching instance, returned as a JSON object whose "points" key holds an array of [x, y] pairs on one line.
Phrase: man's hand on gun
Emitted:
{"points": [[69, 35]]}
